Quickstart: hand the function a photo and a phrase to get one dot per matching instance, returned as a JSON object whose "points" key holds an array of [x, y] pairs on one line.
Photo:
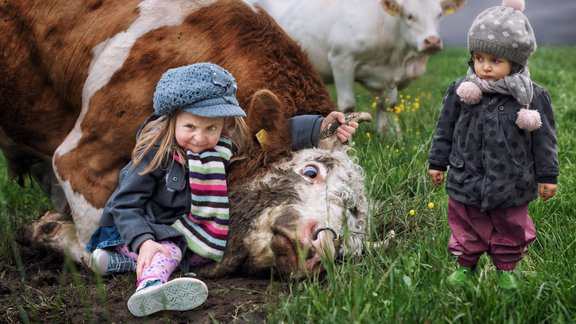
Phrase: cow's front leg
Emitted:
{"points": [[386, 118], [343, 67], [55, 232]]}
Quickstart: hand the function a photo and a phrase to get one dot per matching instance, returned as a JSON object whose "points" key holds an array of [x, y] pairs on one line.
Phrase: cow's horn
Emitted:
{"points": [[328, 139], [385, 244]]}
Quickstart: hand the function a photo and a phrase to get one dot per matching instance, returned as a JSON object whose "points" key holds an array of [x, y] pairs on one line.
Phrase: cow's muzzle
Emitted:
{"points": [[337, 240]]}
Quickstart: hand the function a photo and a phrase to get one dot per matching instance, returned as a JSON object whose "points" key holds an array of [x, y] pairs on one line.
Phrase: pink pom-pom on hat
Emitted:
{"points": [[515, 4], [528, 119], [469, 93]]}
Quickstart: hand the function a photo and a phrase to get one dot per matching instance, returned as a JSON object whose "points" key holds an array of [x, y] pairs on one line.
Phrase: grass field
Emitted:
{"points": [[406, 282]]}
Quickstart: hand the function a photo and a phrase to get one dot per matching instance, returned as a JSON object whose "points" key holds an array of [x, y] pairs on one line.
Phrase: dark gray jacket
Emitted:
{"points": [[145, 206], [493, 163]]}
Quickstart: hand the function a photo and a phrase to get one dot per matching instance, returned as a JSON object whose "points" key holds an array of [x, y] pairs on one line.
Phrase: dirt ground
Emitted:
{"points": [[47, 288]]}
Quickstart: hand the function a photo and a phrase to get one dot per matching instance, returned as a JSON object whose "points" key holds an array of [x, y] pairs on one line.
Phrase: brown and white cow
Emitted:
{"points": [[76, 81]]}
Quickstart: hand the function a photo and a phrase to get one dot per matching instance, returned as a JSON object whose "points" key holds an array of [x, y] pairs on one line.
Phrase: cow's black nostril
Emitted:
{"points": [[311, 253]]}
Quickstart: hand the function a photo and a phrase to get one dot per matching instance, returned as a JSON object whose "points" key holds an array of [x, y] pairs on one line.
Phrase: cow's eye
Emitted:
{"points": [[310, 171], [410, 17]]}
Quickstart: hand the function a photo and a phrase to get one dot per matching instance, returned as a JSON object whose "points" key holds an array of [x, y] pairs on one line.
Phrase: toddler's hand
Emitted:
{"points": [[148, 250], [436, 176], [547, 190], [345, 130]]}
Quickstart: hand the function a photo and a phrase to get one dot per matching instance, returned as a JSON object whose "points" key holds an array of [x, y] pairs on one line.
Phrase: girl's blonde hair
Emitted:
{"points": [[160, 134]]}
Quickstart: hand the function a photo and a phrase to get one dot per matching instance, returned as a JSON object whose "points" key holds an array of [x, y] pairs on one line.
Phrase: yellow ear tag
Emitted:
{"points": [[449, 11], [261, 136], [392, 11]]}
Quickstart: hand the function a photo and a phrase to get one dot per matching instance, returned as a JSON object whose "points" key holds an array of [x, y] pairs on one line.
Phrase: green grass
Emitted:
{"points": [[17, 205], [406, 282]]}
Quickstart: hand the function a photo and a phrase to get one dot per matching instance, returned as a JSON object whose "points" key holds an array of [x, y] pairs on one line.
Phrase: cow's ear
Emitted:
{"points": [[391, 6], [266, 112], [451, 6]]}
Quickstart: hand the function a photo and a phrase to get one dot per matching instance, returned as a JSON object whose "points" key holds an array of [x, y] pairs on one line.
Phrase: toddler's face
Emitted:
{"points": [[197, 134], [491, 68]]}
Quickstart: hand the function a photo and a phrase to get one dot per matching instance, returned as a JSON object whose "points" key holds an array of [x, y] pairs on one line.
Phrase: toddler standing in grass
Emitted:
{"points": [[497, 134]]}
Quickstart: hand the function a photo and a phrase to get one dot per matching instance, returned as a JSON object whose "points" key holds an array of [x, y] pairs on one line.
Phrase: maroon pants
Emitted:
{"points": [[504, 233]]}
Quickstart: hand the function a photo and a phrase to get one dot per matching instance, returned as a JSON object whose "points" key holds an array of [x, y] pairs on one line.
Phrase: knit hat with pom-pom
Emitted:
{"points": [[503, 31]]}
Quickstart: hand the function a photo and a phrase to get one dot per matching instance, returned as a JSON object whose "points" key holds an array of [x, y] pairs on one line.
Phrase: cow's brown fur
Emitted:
{"points": [[46, 52]]}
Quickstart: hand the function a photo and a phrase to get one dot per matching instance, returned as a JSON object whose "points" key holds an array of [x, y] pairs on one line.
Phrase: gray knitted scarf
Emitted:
{"points": [[518, 85]]}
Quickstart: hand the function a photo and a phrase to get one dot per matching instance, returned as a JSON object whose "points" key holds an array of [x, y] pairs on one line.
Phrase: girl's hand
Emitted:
{"points": [[345, 130], [436, 176], [148, 250], [547, 190]]}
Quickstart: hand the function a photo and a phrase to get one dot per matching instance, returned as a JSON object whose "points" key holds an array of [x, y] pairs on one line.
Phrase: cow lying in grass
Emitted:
{"points": [[78, 80]]}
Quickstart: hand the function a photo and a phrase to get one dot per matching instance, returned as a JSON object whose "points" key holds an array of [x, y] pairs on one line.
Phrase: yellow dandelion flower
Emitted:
{"points": [[430, 205], [368, 135], [396, 150], [412, 212], [373, 104], [387, 146]]}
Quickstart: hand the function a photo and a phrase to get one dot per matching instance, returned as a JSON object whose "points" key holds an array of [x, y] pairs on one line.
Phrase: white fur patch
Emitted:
{"points": [[86, 217]]}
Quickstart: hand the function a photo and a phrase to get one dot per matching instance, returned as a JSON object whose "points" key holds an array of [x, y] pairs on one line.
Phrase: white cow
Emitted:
{"points": [[382, 44]]}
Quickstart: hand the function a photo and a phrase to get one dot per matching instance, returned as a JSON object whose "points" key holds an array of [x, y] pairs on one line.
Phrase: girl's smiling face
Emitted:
{"points": [[489, 67], [197, 134]]}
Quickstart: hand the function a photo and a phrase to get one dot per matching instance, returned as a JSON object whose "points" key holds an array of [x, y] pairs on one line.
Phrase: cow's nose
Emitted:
{"points": [[326, 241], [432, 44]]}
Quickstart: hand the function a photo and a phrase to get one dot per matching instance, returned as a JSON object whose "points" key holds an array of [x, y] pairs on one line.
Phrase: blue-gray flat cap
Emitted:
{"points": [[203, 89]]}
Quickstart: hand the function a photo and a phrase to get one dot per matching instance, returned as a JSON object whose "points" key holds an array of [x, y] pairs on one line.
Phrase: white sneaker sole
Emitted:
{"points": [[96, 264], [180, 294]]}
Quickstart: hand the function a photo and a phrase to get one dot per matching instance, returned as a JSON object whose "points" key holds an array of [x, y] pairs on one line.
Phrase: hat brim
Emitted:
{"points": [[216, 111]]}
